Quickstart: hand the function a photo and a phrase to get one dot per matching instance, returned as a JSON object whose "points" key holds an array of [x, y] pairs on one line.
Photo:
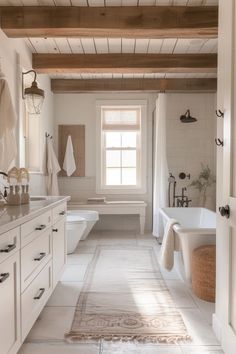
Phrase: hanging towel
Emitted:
{"points": [[8, 146], [53, 168], [168, 246], [69, 160]]}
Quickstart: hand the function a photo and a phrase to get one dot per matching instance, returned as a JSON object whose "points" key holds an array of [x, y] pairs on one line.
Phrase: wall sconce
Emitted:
{"points": [[187, 118], [33, 95]]}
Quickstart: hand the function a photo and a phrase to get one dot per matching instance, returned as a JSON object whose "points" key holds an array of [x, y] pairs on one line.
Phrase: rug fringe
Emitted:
{"points": [[75, 337]]}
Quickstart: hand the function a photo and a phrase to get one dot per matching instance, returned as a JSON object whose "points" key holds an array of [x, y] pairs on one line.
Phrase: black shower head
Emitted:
{"points": [[187, 118]]}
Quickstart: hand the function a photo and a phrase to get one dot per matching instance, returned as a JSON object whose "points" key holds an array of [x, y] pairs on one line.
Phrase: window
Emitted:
{"points": [[122, 149]]}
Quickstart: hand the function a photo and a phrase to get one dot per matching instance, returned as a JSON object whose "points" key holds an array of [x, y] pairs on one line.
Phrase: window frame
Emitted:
{"points": [[140, 187]]}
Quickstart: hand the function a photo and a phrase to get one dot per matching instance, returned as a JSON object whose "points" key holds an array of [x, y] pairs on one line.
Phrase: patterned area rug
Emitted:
{"points": [[125, 298]]}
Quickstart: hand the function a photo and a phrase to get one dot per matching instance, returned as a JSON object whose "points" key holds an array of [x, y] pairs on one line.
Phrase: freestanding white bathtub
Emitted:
{"points": [[196, 227]]}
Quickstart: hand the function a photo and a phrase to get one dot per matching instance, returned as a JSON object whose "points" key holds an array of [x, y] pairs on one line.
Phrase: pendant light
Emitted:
{"points": [[33, 95]]}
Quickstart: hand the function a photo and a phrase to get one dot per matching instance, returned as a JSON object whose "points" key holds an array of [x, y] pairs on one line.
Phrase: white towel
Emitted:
{"points": [[168, 246], [69, 160], [8, 146], [53, 168]]}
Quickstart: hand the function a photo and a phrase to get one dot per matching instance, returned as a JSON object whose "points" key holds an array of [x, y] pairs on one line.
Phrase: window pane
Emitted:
{"points": [[113, 139], [113, 158], [113, 176], [129, 176], [129, 158], [129, 139]]}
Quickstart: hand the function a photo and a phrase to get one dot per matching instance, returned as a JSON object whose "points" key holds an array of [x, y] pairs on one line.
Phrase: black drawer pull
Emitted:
{"points": [[41, 227], [62, 213], [8, 249], [41, 292], [42, 255], [4, 276], [55, 230]]}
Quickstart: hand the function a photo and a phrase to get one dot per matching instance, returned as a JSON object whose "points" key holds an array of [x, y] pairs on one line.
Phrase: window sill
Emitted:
{"points": [[121, 191]]}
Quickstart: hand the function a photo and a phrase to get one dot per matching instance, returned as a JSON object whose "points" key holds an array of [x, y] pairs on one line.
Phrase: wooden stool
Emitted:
{"points": [[204, 272]]}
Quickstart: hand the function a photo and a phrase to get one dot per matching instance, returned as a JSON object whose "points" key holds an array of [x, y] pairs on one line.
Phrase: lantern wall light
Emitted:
{"points": [[33, 95]]}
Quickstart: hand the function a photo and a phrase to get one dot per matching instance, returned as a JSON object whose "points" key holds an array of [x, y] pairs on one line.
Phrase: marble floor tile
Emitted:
{"points": [[172, 275], [123, 348], [74, 273], [122, 235], [199, 329], [52, 324], [207, 308], [85, 248], [59, 348], [65, 294], [180, 294], [195, 349], [47, 335], [82, 258]]}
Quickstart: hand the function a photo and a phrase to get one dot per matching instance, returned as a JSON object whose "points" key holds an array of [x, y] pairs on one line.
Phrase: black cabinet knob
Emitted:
{"points": [[225, 211]]}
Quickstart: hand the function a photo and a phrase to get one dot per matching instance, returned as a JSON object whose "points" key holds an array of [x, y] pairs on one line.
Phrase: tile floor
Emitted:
{"points": [[47, 335]]}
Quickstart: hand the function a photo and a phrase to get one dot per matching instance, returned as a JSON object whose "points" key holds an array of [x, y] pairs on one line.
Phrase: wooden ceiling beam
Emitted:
{"points": [[124, 63], [122, 22], [138, 85]]}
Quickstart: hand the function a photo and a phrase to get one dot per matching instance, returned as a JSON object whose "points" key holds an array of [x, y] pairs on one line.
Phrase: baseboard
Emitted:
{"points": [[217, 328]]}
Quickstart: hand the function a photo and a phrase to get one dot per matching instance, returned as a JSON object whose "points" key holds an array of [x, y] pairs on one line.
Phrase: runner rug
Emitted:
{"points": [[125, 298]]}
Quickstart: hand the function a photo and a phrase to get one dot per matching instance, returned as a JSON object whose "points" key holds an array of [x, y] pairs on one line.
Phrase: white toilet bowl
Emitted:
{"points": [[90, 216], [75, 228]]}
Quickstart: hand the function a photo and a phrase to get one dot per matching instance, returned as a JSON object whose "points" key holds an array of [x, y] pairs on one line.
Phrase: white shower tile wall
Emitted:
{"points": [[189, 145]]}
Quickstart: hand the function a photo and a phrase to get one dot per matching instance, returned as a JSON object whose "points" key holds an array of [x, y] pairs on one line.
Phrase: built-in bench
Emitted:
{"points": [[115, 208]]}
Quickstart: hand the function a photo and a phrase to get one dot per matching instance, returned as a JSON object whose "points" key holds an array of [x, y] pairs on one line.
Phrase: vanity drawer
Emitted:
{"points": [[34, 256], [33, 228], [34, 298], [59, 212], [9, 243]]}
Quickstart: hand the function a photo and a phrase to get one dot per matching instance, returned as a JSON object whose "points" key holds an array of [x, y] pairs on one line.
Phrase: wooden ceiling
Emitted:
{"points": [[115, 45]]}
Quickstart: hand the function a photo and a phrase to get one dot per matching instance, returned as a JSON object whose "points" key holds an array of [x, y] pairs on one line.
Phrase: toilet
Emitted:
{"points": [[75, 228], [79, 223]]}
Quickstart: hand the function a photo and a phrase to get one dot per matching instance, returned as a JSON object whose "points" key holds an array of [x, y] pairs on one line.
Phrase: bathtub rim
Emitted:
{"points": [[184, 230]]}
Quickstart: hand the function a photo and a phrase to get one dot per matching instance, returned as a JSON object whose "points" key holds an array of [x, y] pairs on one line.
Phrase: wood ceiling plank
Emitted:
{"points": [[155, 45], [114, 45], [79, 3], [141, 45], [168, 45], [88, 45], [172, 85], [43, 45], [128, 45], [63, 45], [76, 45], [101, 45], [116, 22], [124, 63]]}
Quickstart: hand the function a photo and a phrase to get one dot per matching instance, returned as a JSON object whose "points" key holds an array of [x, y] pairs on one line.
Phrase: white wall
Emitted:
{"points": [[189, 145], [81, 109], [15, 56]]}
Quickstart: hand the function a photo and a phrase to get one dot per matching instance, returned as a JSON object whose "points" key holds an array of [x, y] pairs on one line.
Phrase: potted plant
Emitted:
{"points": [[205, 180]]}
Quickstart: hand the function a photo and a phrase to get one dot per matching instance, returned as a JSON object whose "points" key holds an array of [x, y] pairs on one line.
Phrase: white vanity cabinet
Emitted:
{"points": [[32, 259], [10, 337], [59, 249]]}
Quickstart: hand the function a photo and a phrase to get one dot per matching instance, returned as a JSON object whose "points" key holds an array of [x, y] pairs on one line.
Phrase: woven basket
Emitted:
{"points": [[204, 272]]}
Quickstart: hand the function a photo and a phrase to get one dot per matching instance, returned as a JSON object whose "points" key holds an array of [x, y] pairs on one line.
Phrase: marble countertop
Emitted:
{"points": [[13, 216]]}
